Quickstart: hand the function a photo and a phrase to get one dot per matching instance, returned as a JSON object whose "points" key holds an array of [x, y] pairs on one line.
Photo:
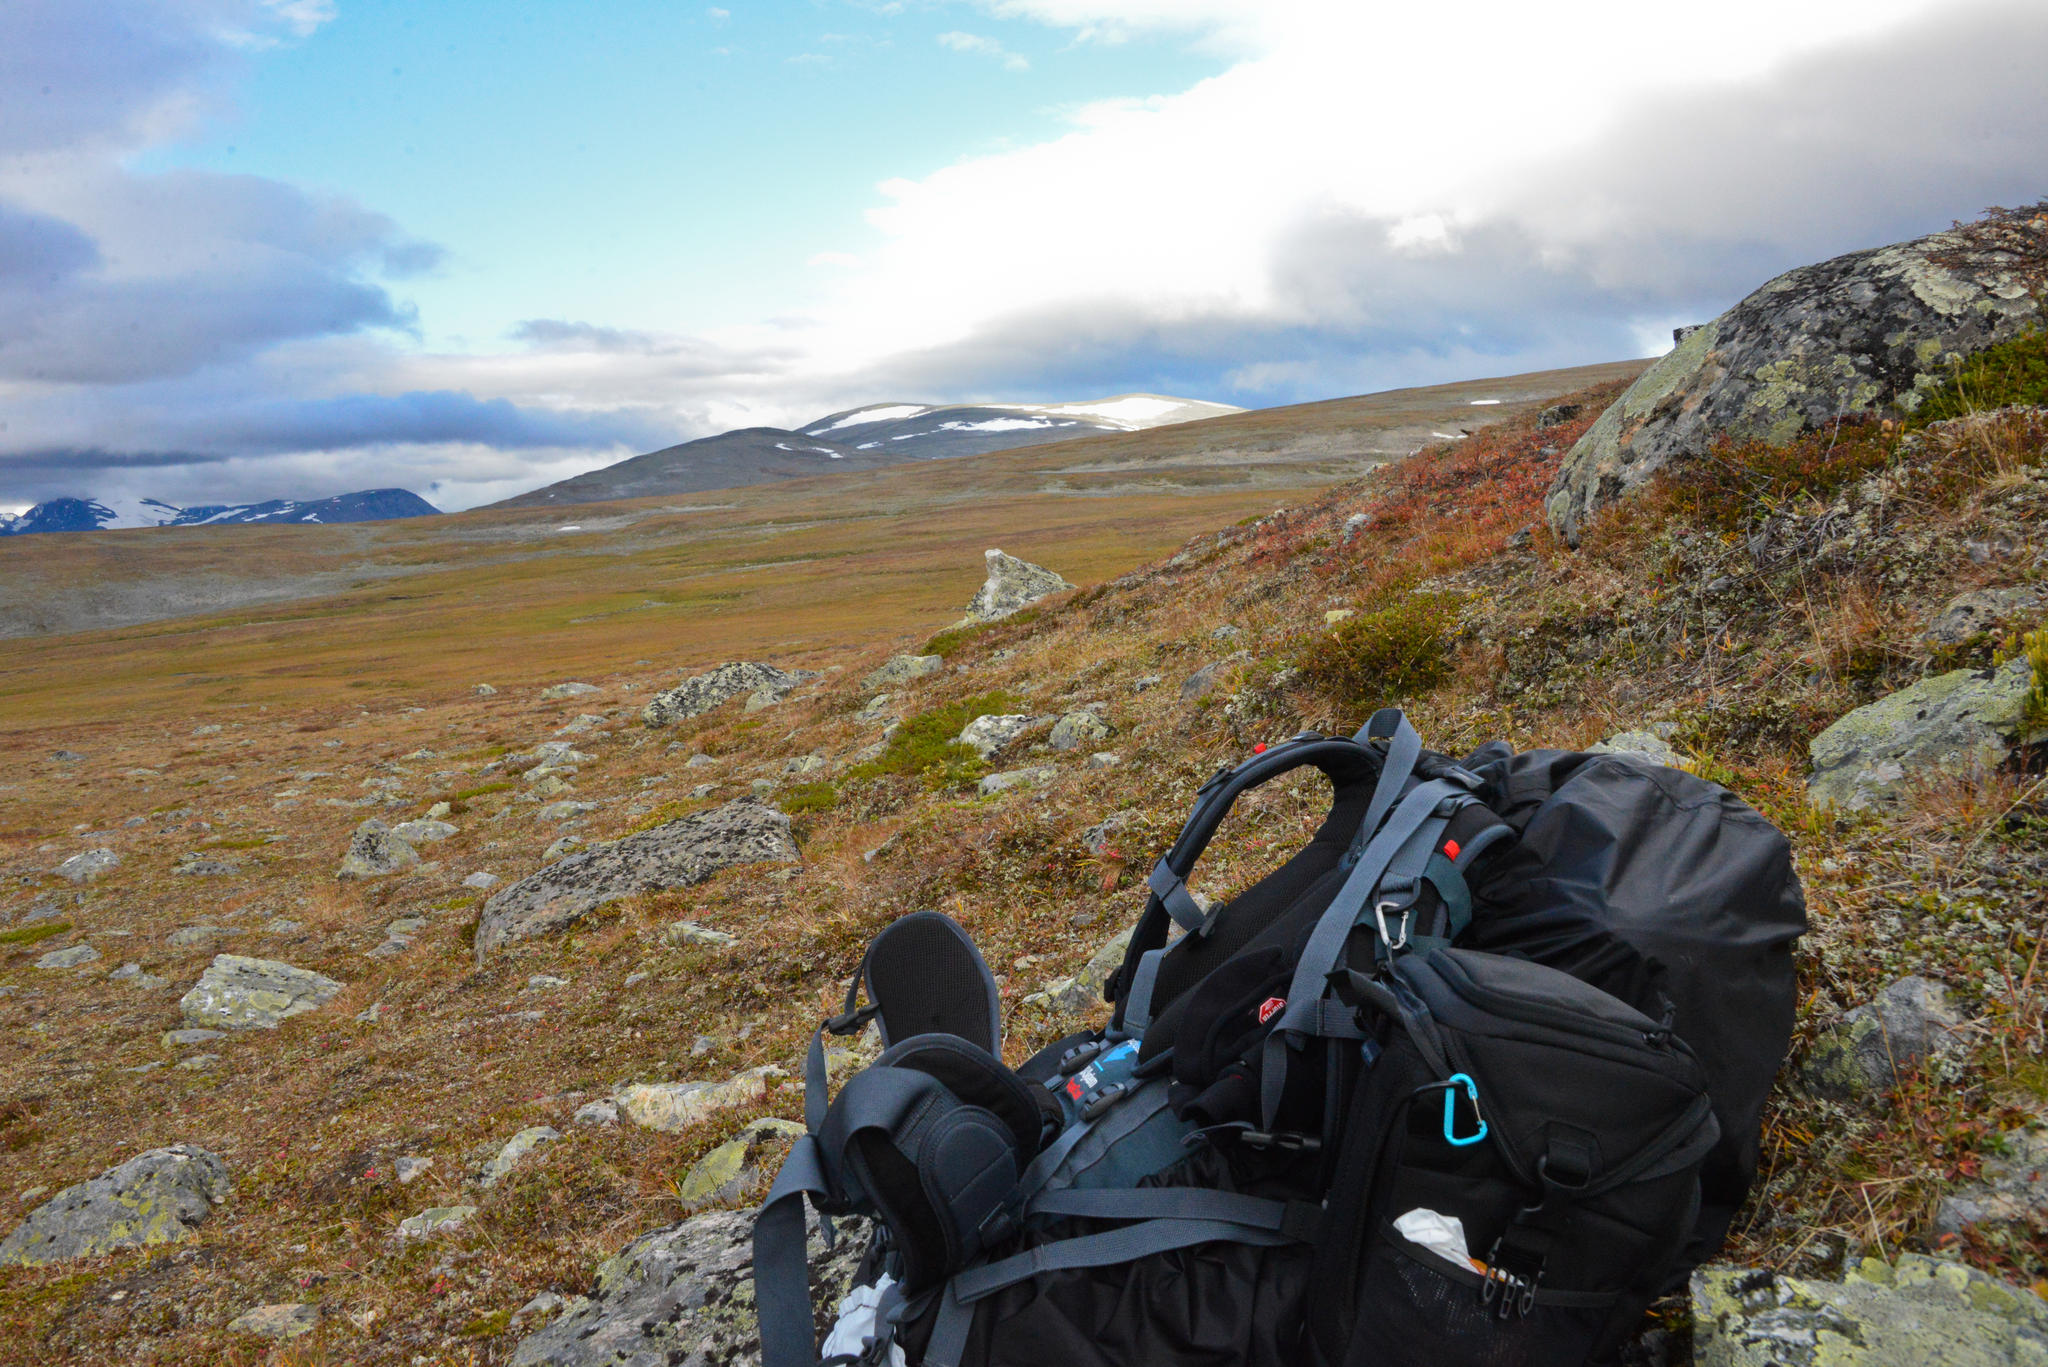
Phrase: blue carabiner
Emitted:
{"points": [[1451, 1111]]}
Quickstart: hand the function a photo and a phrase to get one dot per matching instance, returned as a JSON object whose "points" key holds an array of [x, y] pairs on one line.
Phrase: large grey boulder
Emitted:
{"points": [[1919, 1312], [157, 1197], [83, 868], [237, 993], [685, 1294], [374, 852], [1910, 1021], [1011, 586], [1867, 333], [1961, 723], [987, 734], [700, 694], [901, 669], [680, 853]]}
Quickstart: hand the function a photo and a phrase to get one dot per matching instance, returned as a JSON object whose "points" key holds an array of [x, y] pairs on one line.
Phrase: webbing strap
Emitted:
{"points": [[1325, 948], [1138, 1001], [782, 1275], [1173, 894], [1404, 748], [1175, 1203]]}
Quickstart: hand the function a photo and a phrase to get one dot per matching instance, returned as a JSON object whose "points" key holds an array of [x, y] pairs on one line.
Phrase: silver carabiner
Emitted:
{"points": [[1379, 914]]}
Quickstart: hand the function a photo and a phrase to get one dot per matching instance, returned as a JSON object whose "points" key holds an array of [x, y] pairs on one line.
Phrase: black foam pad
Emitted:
{"points": [[925, 977]]}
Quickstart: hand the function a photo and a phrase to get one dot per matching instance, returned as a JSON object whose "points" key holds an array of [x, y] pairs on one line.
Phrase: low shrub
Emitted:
{"points": [[1399, 651], [29, 935], [2014, 372], [926, 745]]}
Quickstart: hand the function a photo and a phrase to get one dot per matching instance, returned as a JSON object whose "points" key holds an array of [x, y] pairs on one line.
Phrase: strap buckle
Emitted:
{"points": [[848, 1022], [1102, 1098], [1282, 1141]]}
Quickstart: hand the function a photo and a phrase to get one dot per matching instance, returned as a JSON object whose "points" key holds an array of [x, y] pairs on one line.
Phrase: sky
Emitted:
{"points": [[291, 248]]}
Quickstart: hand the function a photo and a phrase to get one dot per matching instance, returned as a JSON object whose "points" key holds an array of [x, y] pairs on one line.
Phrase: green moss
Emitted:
{"points": [[949, 642], [2010, 373], [479, 791], [28, 935], [1399, 651], [926, 744], [488, 1326], [807, 798], [2034, 708]]}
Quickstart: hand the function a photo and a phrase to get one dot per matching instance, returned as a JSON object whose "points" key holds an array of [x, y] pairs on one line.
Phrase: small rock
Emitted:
{"points": [[1558, 414], [174, 1039], [407, 1167], [484, 691], [188, 937], [1015, 778], [804, 764], [566, 811], [1968, 616], [1145, 681], [237, 993], [1638, 745], [1962, 722], [1011, 586], [901, 669], [1099, 839], [425, 831], [1226, 632], [1082, 993], [199, 1062], [987, 734], [603, 1114], [568, 844], [85, 867], [279, 925], [66, 756], [699, 762], [198, 866], [690, 933], [1206, 679], [157, 1197], [439, 811], [73, 957], [1908, 1022], [545, 1306], [708, 690], [557, 692], [516, 1149], [437, 1220], [675, 1106], [703, 790], [2013, 1192], [1078, 729], [276, 1321], [1105, 759], [545, 982], [480, 879], [373, 852], [370, 1014], [729, 1171]]}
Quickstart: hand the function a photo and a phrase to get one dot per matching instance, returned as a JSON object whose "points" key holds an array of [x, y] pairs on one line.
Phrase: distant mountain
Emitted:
{"points": [[114, 514], [863, 439]]}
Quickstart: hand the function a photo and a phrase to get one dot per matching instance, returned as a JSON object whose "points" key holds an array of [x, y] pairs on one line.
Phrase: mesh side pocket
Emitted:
{"points": [[1416, 1310]]}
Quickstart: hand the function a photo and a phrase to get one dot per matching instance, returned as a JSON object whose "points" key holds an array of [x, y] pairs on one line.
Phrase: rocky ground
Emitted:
{"points": [[456, 1032]]}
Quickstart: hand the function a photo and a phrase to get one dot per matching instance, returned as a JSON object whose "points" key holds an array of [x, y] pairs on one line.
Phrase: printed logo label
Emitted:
{"points": [[1271, 1007]]}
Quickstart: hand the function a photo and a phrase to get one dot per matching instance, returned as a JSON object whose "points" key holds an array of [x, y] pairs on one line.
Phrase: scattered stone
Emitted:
{"points": [[731, 1171], [279, 925], [1968, 616], [804, 764], [1963, 722], [373, 852], [277, 1321], [699, 762], [481, 879], [1205, 680], [675, 1106], [437, 1220], [703, 790], [698, 695], [484, 691], [566, 811], [516, 1148], [568, 844], [439, 811], [1226, 632], [1012, 585], [987, 734], [1354, 526], [199, 1062], [66, 756], [547, 787], [74, 957], [425, 831], [545, 982], [901, 669], [237, 993], [1638, 745], [1016, 778], [690, 933], [2013, 1192], [603, 1114], [677, 854], [763, 788], [1082, 993], [133, 975], [1558, 414], [1105, 759], [199, 866], [677, 1295], [177, 1039], [85, 867], [1867, 333], [370, 1014], [157, 1197], [1077, 729], [408, 1168], [585, 723], [1336, 615], [1908, 1022], [1920, 1311], [1099, 839], [189, 937], [557, 692]]}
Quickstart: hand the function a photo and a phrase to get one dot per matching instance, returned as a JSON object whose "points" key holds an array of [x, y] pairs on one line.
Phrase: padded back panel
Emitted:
{"points": [[926, 977]]}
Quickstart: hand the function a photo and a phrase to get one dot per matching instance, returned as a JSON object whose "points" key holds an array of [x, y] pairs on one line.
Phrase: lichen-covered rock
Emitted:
{"points": [[84, 867], [987, 734], [1011, 586], [901, 669], [425, 831], [731, 1170], [1643, 745], [157, 1197], [991, 784], [1082, 993], [1870, 332], [1963, 722], [237, 993], [435, 1220], [284, 1321], [1905, 1024], [373, 852], [1967, 616], [1077, 730], [557, 692], [516, 1148], [674, 1106], [682, 852], [2014, 1189], [1208, 678], [1920, 1312], [685, 1294], [700, 694], [75, 956]]}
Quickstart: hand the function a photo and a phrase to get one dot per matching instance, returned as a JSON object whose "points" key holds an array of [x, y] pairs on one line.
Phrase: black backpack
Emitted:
{"points": [[1237, 1169]]}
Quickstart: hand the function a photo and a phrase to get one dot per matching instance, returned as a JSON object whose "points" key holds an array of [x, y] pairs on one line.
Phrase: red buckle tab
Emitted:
{"points": [[1451, 849]]}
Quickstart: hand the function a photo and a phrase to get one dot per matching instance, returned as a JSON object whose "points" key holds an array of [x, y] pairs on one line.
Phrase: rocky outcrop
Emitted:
{"points": [[985, 735], [158, 1197], [681, 853], [1867, 333], [695, 696], [1078, 730], [1030, 776], [83, 868], [1968, 616], [1908, 1022], [287, 1320], [1963, 722], [733, 1170], [685, 1294], [236, 993], [1012, 585], [1919, 1311], [516, 1148], [374, 852], [901, 669], [674, 1106]]}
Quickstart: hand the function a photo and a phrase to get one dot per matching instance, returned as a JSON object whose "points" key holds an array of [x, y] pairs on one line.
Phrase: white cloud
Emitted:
{"points": [[843, 260], [717, 15], [984, 47]]}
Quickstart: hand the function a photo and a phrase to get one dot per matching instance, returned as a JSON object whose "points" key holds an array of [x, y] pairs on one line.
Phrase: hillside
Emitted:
{"points": [[93, 515]]}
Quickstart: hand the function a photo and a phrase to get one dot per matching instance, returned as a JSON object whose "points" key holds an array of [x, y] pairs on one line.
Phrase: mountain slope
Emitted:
{"points": [[750, 455], [121, 514]]}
